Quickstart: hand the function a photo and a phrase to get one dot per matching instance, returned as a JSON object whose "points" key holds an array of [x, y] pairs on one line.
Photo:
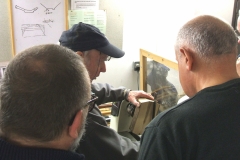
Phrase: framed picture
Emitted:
{"points": [[160, 77], [36, 22]]}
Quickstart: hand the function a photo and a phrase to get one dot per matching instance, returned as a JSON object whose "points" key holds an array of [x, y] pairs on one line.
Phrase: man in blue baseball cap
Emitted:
{"points": [[100, 141]]}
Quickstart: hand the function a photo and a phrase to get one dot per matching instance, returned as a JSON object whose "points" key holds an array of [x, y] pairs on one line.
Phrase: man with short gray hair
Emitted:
{"points": [[205, 126]]}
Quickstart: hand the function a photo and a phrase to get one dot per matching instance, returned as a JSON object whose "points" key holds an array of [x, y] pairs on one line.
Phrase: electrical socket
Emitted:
{"points": [[136, 66]]}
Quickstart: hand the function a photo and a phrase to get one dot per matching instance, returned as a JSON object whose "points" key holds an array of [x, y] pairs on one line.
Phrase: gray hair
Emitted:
{"points": [[207, 36], [42, 89]]}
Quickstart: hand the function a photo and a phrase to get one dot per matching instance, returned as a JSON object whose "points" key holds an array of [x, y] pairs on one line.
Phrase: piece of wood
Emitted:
{"points": [[142, 116]]}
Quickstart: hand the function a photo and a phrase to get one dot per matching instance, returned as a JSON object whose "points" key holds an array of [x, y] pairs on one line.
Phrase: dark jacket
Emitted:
{"points": [[100, 142], [10, 151], [206, 126]]}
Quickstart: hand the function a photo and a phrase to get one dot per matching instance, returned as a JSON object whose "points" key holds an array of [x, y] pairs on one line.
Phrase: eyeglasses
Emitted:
{"points": [[91, 103], [108, 57]]}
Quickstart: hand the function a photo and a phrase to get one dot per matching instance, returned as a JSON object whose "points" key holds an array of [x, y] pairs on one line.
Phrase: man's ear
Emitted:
{"points": [[187, 57], [80, 53], [73, 130]]}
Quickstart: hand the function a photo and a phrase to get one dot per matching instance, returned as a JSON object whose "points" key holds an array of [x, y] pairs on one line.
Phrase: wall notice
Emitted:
{"points": [[93, 17], [83, 4]]}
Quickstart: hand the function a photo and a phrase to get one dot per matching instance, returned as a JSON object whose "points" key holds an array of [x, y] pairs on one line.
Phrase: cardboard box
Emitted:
{"points": [[143, 115]]}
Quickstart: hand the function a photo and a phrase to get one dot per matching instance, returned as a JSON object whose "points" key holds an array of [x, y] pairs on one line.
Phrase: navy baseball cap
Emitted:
{"points": [[83, 37]]}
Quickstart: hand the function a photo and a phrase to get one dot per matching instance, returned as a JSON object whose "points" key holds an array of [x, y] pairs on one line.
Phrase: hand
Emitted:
{"points": [[133, 95]]}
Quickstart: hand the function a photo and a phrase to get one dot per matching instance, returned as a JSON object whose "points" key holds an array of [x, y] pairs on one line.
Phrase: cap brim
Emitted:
{"points": [[111, 51]]}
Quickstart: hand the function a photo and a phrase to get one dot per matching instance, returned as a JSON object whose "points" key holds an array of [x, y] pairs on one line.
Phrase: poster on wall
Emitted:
{"points": [[36, 22], [96, 18]]}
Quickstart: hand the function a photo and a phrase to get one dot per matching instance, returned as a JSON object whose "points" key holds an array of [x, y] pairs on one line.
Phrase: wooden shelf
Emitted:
{"points": [[105, 108]]}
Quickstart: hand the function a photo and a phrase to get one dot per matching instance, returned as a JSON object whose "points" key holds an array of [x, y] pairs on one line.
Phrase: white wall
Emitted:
{"points": [[147, 24], [153, 25], [119, 71]]}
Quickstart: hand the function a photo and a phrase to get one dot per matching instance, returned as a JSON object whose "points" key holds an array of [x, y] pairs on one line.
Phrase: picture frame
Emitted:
{"points": [[160, 77], [36, 22]]}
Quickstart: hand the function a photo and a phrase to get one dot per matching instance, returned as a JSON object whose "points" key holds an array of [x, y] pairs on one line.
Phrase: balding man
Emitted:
{"points": [[206, 126], [45, 99]]}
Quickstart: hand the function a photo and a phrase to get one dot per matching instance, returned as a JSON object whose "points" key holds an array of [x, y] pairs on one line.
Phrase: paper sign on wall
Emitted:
{"points": [[93, 17], [83, 4]]}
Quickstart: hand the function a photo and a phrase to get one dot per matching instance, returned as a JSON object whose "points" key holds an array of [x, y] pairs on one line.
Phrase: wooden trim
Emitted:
{"points": [[143, 71], [105, 105], [66, 14], [11, 26], [159, 59]]}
